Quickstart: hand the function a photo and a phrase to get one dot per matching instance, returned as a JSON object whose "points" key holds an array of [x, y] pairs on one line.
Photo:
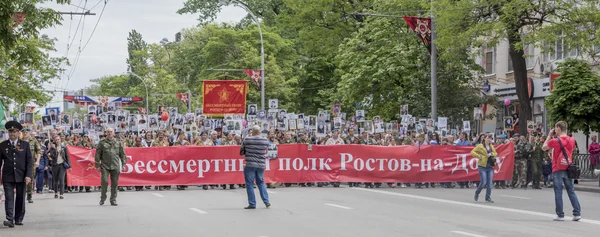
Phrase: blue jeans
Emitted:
{"points": [[39, 180], [486, 175], [560, 178], [251, 174]]}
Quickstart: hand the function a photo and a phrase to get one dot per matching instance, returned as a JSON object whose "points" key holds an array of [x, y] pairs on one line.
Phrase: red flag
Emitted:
{"points": [[553, 77], [183, 97], [255, 75], [421, 26]]}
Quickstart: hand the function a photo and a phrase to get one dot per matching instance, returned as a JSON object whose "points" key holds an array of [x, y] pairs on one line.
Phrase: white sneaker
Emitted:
{"points": [[576, 218], [557, 218]]}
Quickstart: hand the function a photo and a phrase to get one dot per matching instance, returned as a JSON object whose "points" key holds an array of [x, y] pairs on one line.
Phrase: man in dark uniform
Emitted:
{"points": [[16, 156]]}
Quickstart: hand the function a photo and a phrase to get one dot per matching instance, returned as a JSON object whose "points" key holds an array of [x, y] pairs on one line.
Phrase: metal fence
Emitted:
{"points": [[583, 161]]}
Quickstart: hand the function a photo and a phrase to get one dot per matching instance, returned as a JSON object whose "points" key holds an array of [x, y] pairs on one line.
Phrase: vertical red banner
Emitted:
{"points": [[224, 97], [422, 27]]}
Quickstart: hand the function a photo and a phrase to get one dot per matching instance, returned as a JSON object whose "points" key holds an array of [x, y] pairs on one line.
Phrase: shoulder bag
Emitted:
{"points": [[243, 148], [573, 171]]}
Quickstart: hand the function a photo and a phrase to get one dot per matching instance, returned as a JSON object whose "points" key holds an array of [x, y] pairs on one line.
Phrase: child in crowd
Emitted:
{"points": [[547, 171]]}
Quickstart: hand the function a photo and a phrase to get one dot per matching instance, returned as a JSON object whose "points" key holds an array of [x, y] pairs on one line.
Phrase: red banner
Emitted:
{"points": [[191, 165], [224, 97], [421, 26]]}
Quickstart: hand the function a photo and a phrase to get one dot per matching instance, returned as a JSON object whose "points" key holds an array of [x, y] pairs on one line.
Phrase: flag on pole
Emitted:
{"points": [[255, 75], [183, 97], [421, 26]]}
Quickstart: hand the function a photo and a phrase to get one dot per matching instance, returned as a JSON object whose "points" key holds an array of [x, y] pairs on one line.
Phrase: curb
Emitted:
{"points": [[587, 189]]}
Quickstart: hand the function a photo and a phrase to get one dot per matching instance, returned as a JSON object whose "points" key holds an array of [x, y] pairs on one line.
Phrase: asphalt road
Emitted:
{"points": [[310, 211]]}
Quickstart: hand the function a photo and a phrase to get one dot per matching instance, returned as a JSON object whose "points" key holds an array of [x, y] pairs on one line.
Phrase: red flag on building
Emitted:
{"points": [[421, 26], [224, 97], [255, 75], [183, 97]]}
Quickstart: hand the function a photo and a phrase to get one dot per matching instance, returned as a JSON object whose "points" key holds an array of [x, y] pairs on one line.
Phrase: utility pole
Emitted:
{"points": [[433, 69]]}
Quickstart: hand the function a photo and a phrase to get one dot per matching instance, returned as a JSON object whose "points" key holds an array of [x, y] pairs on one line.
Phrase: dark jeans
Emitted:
{"points": [[58, 176], [39, 180], [251, 175], [560, 178], [14, 206]]}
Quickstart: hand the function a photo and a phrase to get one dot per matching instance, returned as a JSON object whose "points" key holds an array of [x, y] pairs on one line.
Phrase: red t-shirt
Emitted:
{"points": [[558, 161]]}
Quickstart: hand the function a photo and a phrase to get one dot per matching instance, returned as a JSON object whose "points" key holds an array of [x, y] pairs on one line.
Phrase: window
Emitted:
{"points": [[549, 52], [489, 60], [529, 51], [510, 68], [559, 48]]}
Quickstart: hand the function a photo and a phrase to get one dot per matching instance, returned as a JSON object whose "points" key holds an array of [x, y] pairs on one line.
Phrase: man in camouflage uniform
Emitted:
{"points": [[287, 139], [366, 140], [522, 153], [351, 137], [162, 141], [36, 153], [537, 157], [110, 160]]}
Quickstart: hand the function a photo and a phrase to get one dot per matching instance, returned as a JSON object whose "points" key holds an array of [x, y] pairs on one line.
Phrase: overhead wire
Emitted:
{"points": [[98, 21], [84, 46], [69, 43]]}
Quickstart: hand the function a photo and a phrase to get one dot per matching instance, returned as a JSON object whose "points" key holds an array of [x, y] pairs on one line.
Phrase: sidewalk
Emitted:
{"points": [[588, 185]]}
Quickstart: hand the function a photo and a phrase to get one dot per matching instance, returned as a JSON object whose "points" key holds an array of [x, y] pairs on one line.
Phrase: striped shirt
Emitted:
{"points": [[256, 151]]}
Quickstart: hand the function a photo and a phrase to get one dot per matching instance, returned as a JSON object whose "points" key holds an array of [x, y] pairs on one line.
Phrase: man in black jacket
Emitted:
{"points": [[16, 156]]}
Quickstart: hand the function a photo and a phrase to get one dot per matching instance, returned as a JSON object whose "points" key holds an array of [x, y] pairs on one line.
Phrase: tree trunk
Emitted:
{"points": [[520, 74]]}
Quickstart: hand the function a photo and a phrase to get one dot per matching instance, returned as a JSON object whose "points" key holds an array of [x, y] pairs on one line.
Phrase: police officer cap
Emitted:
{"points": [[516, 135], [13, 125], [502, 136]]}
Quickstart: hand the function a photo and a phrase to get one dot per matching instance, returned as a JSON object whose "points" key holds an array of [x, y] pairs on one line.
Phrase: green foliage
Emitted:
{"points": [[468, 24], [25, 64], [383, 67], [576, 97], [134, 43]]}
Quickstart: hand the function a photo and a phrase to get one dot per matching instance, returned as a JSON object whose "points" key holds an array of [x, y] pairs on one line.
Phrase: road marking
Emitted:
{"points": [[198, 210], [526, 198], [158, 195], [533, 213], [465, 233], [338, 206], [271, 192]]}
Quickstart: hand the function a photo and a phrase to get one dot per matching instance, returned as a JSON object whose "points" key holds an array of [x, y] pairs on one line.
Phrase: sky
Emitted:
{"points": [[106, 52]]}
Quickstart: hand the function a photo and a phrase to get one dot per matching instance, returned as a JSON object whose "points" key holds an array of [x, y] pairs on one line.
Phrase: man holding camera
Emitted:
{"points": [[562, 158]]}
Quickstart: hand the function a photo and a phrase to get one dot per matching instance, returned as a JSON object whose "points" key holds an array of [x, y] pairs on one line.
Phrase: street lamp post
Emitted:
{"points": [[262, 48], [146, 86]]}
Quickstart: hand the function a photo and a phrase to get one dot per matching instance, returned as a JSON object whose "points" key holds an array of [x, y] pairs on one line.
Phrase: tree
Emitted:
{"points": [[576, 97], [135, 42], [24, 61], [25, 83], [222, 46], [464, 24], [382, 66], [316, 28]]}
